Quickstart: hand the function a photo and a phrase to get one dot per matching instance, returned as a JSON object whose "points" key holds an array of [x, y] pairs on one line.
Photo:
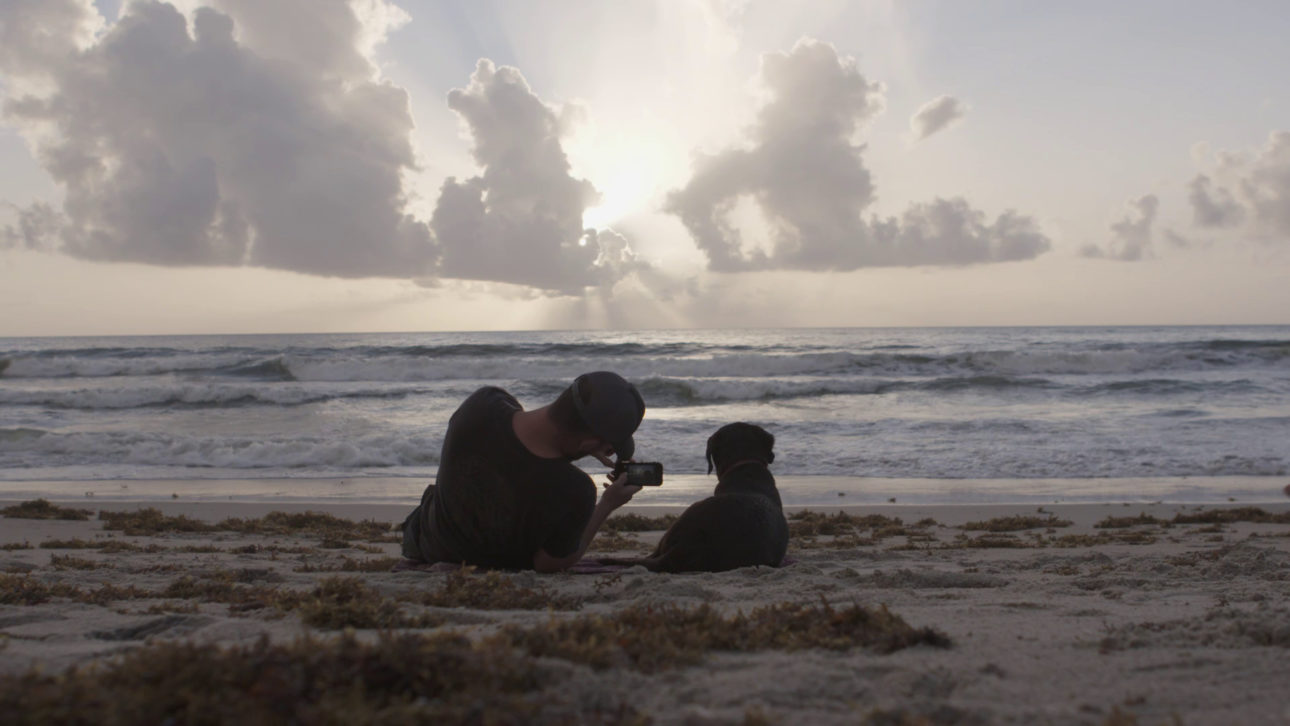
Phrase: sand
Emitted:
{"points": [[1070, 624]]}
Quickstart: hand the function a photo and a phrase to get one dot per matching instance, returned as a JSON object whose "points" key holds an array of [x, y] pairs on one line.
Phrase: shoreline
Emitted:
{"points": [[1082, 515], [818, 491]]}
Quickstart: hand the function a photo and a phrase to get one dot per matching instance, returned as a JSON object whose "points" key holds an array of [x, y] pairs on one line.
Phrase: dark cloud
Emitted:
{"points": [[1131, 237], [274, 146], [807, 176], [520, 220], [936, 115]]}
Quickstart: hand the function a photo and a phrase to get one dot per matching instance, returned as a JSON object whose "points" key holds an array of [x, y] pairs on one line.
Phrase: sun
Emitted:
{"points": [[629, 174]]}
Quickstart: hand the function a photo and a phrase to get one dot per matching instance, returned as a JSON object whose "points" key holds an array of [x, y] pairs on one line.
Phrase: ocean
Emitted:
{"points": [[950, 415]]}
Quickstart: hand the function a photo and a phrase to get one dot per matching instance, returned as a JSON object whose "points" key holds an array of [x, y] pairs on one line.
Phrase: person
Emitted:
{"points": [[507, 495]]}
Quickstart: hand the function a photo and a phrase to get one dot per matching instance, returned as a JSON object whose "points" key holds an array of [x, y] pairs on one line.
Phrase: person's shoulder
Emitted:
{"points": [[490, 396]]}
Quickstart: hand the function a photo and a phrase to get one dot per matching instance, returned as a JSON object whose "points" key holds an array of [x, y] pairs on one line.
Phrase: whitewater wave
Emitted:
{"points": [[419, 363], [197, 395], [658, 391], [668, 392], [43, 448]]}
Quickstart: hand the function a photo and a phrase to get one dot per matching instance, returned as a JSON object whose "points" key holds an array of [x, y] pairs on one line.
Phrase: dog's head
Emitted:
{"points": [[739, 441]]}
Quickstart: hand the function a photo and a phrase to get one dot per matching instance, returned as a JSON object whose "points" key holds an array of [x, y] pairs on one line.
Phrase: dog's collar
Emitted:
{"points": [[742, 462]]}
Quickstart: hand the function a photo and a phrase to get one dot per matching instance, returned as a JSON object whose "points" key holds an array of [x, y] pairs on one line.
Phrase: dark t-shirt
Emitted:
{"points": [[494, 503]]}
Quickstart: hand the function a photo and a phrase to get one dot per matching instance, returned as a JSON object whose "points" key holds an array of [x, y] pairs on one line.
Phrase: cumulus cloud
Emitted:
{"points": [[1213, 207], [37, 224], [935, 115], [805, 173], [520, 220], [1256, 196], [261, 136], [1131, 237]]}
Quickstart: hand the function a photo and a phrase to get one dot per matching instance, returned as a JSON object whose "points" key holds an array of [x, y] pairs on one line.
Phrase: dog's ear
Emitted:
{"points": [[708, 454]]}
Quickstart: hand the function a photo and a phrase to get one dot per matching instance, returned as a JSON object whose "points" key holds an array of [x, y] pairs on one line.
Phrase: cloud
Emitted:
{"points": [[1213, 207], [1131, 237], [520, 221], [262, 137], [805, 174], [935, 115], [1256, 198], [37, 224]]}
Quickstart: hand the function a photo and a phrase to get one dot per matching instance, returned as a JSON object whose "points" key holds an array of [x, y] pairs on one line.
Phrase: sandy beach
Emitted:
{"points": [[1061, 614]]}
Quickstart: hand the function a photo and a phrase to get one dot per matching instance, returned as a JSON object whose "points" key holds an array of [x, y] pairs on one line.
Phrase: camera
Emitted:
{"points": [[640, 473]]}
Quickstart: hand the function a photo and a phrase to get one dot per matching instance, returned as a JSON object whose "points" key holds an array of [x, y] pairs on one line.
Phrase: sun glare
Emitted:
{"points": [[630, 178]]}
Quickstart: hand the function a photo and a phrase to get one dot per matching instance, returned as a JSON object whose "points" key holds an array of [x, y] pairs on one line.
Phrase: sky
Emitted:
{"points": [[239, 166]]}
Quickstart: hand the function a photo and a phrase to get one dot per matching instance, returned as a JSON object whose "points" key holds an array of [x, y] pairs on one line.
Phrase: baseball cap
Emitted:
{"points": [[612, 409]]}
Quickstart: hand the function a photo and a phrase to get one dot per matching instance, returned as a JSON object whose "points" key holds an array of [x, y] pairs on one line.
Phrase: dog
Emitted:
{"points": [[742, 524]]}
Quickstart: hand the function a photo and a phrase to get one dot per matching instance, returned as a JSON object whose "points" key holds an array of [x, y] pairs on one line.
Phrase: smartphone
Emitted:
{"points": [[642, 473]]}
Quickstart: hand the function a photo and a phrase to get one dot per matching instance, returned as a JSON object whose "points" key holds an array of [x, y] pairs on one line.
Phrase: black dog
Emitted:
{"points": [[742, 524]]}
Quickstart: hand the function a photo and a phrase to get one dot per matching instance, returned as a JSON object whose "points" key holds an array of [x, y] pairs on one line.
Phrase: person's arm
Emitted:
{"points": [[615, 495]]}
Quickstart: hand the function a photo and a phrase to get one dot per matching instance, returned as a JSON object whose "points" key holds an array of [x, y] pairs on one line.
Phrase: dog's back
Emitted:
{"points": [[742, 524]]}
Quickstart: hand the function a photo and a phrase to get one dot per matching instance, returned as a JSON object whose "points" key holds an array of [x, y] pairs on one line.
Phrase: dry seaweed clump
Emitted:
{"points": [[1237, 514], [327, 526], [334, 603], [150, 520], [350, 564], [807, 523], [1124, 522], [334, 530], [493, 590], [1136, 537], [846, 530], [615, 542], [397, 679], [1017, 523], [28, 590], [347, 602], [993, 540], [638, 523], [651, 639], [42, 509]]}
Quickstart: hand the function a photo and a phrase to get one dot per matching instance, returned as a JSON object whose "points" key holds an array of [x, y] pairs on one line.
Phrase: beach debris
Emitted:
{"points": [[43, 509], [1017, 523]]}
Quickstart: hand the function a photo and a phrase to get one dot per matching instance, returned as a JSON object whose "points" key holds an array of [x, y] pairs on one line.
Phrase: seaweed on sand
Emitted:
{"points": [[1017, 523], [332, 604], [656, 638], [492, 590], [638, 523], [340, 601], [330, 528], [350, 564], [1124, 522], [321, 524], [399, 678], [28, 590], [1236, 514], [71, 562], [347, 602], [150, 520], [615, 542], [807, 523], [42, 509]]}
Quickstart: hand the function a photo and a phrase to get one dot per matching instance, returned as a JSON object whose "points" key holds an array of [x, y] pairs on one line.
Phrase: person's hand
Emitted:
{"points": [[618, 492]]}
